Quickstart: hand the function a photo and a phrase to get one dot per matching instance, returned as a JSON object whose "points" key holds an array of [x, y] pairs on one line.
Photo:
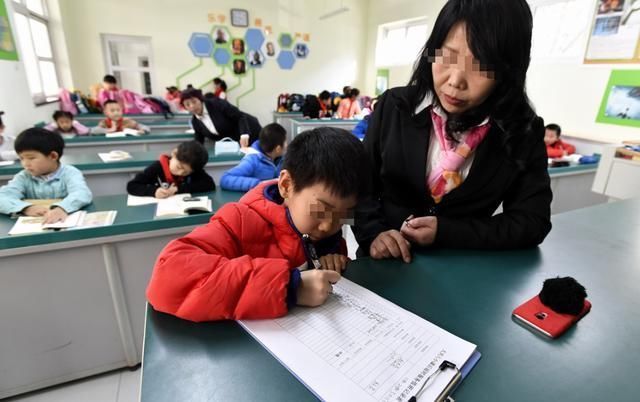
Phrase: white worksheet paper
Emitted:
{"points": [[359, 346]]}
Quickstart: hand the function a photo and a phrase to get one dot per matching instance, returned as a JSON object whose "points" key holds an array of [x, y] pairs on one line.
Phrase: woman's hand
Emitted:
{"points": [[421, 230], [390, 244]]}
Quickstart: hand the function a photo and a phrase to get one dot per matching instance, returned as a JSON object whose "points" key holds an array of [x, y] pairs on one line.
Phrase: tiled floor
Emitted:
{"points": [[116, 386]]}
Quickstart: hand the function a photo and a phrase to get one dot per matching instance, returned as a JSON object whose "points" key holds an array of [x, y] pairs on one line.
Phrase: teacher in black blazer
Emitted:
{"points": [[459, 141], [216, 118]]}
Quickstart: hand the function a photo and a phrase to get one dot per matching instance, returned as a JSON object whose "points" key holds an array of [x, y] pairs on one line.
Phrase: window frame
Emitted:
{"points": [[405, 25], [20, 7]]}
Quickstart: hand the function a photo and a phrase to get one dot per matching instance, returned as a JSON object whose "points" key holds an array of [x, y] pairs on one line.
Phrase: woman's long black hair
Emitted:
{"points": [[499, 35]]}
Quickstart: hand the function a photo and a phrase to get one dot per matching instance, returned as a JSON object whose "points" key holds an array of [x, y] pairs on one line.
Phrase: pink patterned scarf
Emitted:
{"points": [[446, 175]]}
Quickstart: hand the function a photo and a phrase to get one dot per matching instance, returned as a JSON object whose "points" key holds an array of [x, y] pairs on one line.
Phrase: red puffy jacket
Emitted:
{"points": [[558, 148], [238, 266]]}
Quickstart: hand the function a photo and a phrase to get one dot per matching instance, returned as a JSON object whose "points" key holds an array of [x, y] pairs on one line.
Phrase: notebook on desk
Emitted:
{"points": [[182, 205], [360, 346], [76, 220]]}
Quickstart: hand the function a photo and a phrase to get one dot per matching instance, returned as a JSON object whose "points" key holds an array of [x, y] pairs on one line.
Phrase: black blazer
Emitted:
{"points": [[512, 172], [228, 120]]}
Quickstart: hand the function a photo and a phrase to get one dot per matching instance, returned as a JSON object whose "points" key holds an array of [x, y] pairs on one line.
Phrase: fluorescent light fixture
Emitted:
{"points": [[337, 11]]}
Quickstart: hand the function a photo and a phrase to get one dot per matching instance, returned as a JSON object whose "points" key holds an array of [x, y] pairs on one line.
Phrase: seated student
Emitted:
{"points": [[63, 123], [44, 177], [180, 172], [173, 98], [360, 130], [110, 91], [6, 144], [115, 122], [350, 106], [556, 148], [220, 88], [257, 167], [251, 259], [317, 107]]}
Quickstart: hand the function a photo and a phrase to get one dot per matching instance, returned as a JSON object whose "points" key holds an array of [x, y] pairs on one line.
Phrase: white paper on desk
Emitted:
{"points": [[70, 221], [361, 347], [123, 133], [134, 200], [6, 163], [114, 156]]}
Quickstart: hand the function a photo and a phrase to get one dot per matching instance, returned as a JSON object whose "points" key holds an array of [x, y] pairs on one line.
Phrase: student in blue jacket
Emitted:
{"points": [[258, 166], [44, 177]]}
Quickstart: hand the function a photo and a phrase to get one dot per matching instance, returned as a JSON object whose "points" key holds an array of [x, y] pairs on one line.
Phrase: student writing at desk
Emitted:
{"points": [[44, 177], [180, 172], [249, 261], [458, 141]]}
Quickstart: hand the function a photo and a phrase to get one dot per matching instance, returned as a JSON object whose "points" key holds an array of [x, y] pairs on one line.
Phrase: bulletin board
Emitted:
{"points": [[615, 32], [7, 44], [621, 101]]}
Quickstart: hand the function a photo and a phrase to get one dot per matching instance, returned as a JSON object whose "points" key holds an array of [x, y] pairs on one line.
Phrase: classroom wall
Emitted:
{"points": [[15, 96], [337, 45], [565, 93]]}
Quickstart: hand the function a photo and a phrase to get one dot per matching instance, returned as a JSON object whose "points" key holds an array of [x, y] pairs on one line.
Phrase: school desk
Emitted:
{"points": [[93, 118], [285, 120], [163, 142], [72, 303], [299, 125], [468, 293], [108, 178]]}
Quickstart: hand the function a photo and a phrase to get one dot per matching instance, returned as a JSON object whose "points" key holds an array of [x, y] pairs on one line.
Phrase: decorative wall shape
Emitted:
{"points": [[286, 60], [222, 56], [201, 45], [254, 38], [301, 50], [285, 40]]}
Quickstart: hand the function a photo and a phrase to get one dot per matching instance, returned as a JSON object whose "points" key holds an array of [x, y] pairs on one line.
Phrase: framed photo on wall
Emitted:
{"points": [[239, 17], [621, 101]]}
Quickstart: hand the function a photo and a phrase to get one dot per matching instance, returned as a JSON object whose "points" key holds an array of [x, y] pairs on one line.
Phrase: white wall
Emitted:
{"points": [[15, 97], [337, 45]]}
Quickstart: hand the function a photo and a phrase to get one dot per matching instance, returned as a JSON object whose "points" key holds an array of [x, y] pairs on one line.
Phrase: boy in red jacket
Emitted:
{"points": [[555, 147], [251, 260]]}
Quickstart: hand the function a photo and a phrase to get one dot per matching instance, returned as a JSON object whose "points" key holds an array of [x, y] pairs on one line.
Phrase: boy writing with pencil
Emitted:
{"points": [[251, 260]]}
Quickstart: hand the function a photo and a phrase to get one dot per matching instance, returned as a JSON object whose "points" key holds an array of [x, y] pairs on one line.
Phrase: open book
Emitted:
{"points": [[182, 205], [135, 200], [124, 133], [76, 220], [359, 346]]}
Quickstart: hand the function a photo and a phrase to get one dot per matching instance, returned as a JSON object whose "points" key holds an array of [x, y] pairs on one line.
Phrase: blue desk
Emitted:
{"points": [[285, 119], [72, 303], [92, 119], [299, 125], [93, 144]]}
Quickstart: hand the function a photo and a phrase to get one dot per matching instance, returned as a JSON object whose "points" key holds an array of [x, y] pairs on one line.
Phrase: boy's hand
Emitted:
{"points": [[390, 244], [334, 262], [421, 230], [54, 215], [315, 286], [173, 189], [35, 210], [165, 192], [112, 129]]}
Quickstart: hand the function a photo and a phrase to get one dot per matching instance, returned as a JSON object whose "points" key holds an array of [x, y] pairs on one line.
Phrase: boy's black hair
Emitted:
{"points": [[324, 95], [110, 79], [40, 140], [223, 85], [110, 101], [331, 156], [209, 95], [354, 92], [1, 123], [271, 136], [555, 128], [346, 89], [193, 154], [217, 80], [172, 88], [61, 113]]}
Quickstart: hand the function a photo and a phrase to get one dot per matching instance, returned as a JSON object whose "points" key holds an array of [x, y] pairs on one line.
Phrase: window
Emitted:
{"points": [[400, 42], [32, 29], [129, 59]]}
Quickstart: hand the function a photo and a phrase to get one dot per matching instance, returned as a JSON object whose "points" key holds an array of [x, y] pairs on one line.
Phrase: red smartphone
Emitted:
{"points": [[544, 320]]}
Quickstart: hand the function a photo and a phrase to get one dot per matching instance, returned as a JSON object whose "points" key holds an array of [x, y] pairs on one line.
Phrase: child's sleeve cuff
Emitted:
{"points": [[292, 289]]}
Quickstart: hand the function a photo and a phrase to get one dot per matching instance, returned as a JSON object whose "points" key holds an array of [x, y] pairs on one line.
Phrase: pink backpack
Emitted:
{"points": [[134, 103], [66, 103]]}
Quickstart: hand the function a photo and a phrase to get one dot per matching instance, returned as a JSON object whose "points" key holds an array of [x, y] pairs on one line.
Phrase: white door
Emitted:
{"points": [[130, 60]]}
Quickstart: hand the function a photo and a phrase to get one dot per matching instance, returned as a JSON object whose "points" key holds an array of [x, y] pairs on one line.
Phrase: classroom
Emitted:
{"points": [[336, 200]]}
